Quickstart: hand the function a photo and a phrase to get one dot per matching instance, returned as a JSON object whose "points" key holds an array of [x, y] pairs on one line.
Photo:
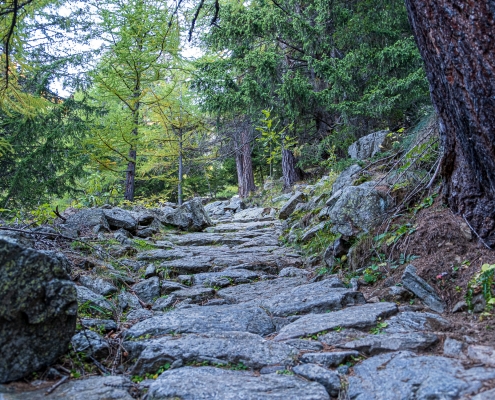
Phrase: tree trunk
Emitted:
{"points": [[290, 171], [247, 165], [457, 42], [131, 165], [239, 164]]}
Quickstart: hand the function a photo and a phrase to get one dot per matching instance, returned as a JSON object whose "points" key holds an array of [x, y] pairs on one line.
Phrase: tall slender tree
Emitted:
{"points": [[457, 42], [142, 41]]}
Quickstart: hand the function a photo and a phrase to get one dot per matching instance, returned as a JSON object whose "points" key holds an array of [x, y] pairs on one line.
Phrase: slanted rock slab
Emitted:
{"points": [[360, 317], [208, 383], [291, 204], [422, 290], [118, 218], [329, 359]]}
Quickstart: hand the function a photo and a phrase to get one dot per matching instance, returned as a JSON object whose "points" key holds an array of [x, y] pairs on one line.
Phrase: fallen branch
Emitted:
{"points": [[64, 379], [476, 233]]}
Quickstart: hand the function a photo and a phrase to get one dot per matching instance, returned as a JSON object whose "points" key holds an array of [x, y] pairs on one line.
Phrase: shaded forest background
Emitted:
{"points": [[275, 91]]}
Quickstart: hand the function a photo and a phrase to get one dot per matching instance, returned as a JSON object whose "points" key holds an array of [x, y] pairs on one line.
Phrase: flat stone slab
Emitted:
{"points": [[375, 344], [196, 294], [259, 290], [207, 383], [341, 337], [329, 359], [162, 254], [318, 297], [223, 348], [226, 278], [206, 319], [360, 317], [108, 387], [398, 375], [313, 372]]}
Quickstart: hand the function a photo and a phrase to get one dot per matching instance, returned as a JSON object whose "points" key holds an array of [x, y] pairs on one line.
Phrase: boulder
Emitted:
{"points": [[359, 208], [85, 220], [291, 204], [191, 216], [345, 179], [422, 290], [368, 145], [38, 309], [118, 218], [90, 343]]}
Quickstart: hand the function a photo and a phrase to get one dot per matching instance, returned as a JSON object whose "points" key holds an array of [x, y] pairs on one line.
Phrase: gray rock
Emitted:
{"points": [[272, 369], [20, 238], [190, 265], [236, 204], [397, 293], [416, 321], [186, 280], [225, 278], [293, 272], [150, 271], [453, 348], [333, 359], [291, 204], [84, 295], [394, 376], [85, 220], [196, 294], [422, 290], [139, 314], [368, 145], [345, 179], [106, 325], [488, 395], [254, 214], [168, 287], [162, 254], [324, 296], [38, 309], [118, 218], [482, 354], [191, 216], [124, 237], [90, 343], [310, 233], [361, 317], [97, 285], [375, 344], [101, 388], [224, 348], [214, 383], [341, 337], [306, 345], [359, 208], [148, 290], [128, 300], [206, 319], [259, 290], [165, 303], [460, 306], [329, 379]]}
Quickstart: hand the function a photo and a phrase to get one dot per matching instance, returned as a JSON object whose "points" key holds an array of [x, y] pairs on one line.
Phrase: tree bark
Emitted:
{"points": [[457, 42], [290, 171], [131, 165], [247, 164]]}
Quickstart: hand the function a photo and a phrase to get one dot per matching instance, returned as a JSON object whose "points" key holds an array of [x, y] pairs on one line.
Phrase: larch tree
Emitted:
{"points": [[457, 42], [141, 43]]}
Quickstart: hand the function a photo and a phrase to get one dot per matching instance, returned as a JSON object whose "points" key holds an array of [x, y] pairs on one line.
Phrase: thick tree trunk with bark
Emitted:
{"points": [[244, 165], [290, 171], [457, 42]]}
